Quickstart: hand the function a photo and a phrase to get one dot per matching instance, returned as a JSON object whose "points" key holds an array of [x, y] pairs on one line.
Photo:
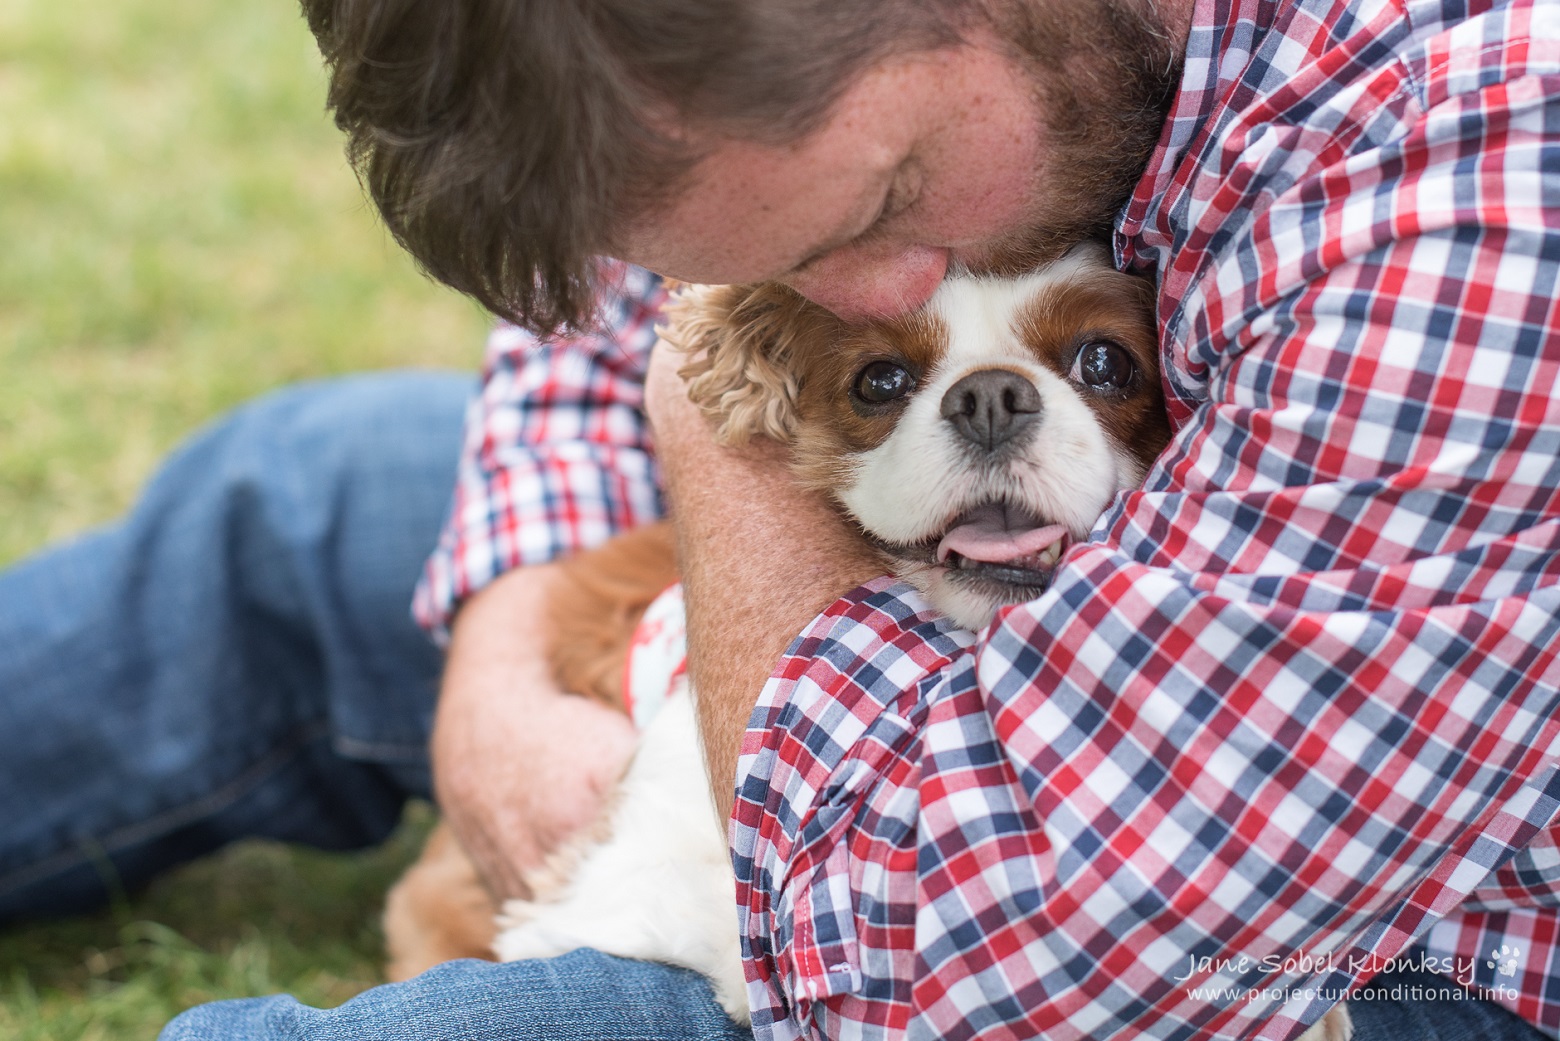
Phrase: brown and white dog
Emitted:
{"points": [[973, 441], [439, 910]]}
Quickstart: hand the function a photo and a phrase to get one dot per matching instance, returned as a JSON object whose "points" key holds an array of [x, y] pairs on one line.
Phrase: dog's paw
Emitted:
{"points": [[516, 914], [1335, 1026], [525, 930], [730, 987]]}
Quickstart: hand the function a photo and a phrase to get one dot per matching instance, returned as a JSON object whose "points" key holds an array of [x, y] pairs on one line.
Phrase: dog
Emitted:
{"points": [[973, 441], [439, 910]]}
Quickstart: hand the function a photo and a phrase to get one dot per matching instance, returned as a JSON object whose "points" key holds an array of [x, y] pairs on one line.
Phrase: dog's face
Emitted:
{"points": [[974, 440]]}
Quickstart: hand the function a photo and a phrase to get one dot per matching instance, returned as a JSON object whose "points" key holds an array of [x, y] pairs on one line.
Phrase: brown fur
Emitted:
{"points": [[598, 602], [743, 343], [439, 909], [828, 428]]}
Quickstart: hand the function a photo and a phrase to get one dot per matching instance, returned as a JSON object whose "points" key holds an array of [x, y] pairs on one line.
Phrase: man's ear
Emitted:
{"points": [[747, 349]]}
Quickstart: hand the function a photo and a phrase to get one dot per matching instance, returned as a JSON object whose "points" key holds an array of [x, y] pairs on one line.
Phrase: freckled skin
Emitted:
{"points": [[833, 183], [993, 155]]}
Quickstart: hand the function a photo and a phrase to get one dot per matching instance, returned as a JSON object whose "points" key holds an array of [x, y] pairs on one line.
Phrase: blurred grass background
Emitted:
{"points": [[179, 232]]}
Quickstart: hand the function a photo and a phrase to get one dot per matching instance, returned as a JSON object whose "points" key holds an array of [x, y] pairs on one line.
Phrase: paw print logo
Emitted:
{"points": [[1504, 960]]}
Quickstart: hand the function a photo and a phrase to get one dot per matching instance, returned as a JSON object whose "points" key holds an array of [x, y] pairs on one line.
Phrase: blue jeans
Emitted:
{"points": [[235, 658], [1415, 1005], [584, 996], [587, 995]]}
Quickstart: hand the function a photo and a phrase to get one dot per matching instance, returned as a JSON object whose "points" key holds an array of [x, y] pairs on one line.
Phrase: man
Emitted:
{"points": [[1294, 709]]}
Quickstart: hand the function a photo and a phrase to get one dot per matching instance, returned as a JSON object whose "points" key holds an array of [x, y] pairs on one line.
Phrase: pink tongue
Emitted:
{"points": [[986, 537]]}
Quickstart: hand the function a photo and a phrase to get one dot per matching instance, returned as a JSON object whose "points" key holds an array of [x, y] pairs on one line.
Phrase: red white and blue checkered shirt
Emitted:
{"points": [[1294, 710], [557, 454]]}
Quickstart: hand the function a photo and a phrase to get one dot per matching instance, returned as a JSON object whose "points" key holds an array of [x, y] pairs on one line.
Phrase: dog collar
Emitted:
{"points": [[657, 656]]}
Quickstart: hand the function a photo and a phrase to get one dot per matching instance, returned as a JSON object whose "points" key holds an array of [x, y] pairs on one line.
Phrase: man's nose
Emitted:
{"points": [[858, 282]]}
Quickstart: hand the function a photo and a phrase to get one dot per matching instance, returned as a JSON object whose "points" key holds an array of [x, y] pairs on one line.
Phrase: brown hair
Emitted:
{"points": [[504, 140]]}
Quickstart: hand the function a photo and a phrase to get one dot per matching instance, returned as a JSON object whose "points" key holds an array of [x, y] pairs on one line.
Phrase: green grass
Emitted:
{"points": [[179, 232], [257, 919]]}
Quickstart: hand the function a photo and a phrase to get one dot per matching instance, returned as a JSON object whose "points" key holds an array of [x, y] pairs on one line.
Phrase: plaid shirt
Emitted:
{"points": [[1294, 710], [557, 455]]}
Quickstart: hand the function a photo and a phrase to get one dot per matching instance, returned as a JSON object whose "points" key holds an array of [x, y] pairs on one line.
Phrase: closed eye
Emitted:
{"points": [[903, 191]]}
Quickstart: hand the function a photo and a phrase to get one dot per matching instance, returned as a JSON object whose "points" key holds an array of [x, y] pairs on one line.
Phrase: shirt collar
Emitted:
{"points": [[1223, 38]]}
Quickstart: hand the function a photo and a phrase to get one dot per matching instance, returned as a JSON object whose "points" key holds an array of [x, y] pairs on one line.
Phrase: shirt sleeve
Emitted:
{"points": [[557, 455], [1296, 703]]}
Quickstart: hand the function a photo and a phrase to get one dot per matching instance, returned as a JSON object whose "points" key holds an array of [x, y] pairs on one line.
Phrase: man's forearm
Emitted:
{"points": [[518, 764], [760, 557]]}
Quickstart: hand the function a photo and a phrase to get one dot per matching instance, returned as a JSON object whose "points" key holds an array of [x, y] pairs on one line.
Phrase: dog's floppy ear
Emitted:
{"points": [[748, 347]]}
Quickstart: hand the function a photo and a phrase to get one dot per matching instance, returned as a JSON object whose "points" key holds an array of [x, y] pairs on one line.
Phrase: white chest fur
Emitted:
{"points": [[658, 886]]}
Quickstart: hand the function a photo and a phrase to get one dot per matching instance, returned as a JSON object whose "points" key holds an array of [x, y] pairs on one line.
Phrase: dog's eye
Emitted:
{"points": [[1104, 365], [882, 382]]}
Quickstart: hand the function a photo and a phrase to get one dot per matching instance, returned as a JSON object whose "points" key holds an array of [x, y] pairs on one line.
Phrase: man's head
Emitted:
{"points": [[854, 148]]}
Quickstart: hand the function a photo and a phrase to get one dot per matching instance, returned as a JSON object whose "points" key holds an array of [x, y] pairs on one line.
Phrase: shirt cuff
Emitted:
{"points": [[834, 729]]}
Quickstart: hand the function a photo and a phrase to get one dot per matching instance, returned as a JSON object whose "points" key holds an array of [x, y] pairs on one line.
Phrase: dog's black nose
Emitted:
{"points": [[991, 407]]}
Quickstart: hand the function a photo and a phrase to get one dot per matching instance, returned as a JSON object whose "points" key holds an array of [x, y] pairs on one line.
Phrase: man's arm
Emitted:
{"points": [[518, 764], [556, 459], [759, 555]]}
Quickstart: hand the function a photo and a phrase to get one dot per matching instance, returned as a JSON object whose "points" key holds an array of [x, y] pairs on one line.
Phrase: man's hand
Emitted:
{"points": [[518, 765], [760, 557]]}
